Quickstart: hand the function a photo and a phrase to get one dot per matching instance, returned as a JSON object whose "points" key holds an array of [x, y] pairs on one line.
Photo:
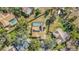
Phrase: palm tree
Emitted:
{"points": [[47, 12], [49, 21]]}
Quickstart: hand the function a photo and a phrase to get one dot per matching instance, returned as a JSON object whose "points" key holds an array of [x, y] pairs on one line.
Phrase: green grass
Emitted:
{"points": [[60, 46], [12, 36]]}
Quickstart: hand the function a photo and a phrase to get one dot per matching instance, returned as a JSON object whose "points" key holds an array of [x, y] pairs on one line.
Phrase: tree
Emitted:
{"points": [[49, 21], [11, 36], [22, 21], [74, 33], [4, 9], [3, 38], [52, 44], [16, 11], [37, 13], [68, 27], [47, 12], [22, 24], [34, 45], [2, 30], [60, 46]]}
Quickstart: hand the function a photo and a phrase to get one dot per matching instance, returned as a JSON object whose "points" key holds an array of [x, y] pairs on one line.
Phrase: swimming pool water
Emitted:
{"points": [[36, 24]]}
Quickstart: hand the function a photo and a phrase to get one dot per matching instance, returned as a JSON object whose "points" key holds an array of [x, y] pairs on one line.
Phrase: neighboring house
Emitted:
{"points": [[27, 10], [38, 30], [7, 20], [70, 43], [9, 48], [21, 44], [61, 36]]}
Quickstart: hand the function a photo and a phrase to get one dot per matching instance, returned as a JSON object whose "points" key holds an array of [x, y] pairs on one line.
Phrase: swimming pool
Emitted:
{"points": [[13, 21], [36, 24]]}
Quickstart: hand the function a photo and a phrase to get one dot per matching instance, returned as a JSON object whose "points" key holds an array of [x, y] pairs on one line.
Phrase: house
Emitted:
{"points": [[37, 30], [21, 44], [71, 45], [61, 36], [7, 20], [27, 10], [9, 48]]}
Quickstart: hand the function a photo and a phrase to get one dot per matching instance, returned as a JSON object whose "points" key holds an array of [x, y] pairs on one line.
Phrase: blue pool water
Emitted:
{"points": [[13, 21], [36, 24]]}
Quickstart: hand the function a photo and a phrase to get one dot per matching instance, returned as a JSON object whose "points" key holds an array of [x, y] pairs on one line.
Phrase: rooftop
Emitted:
{"points": [[5, 18], [37, 29], [60, 34], [27, 10]]}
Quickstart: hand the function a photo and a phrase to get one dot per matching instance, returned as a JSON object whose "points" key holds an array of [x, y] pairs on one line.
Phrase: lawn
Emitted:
{"points": [[55, 25]]}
